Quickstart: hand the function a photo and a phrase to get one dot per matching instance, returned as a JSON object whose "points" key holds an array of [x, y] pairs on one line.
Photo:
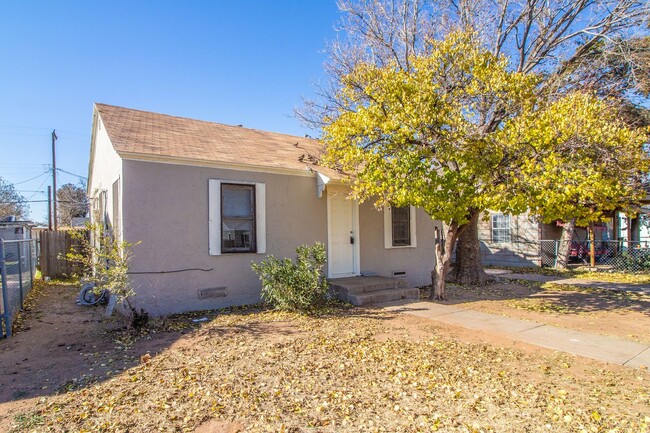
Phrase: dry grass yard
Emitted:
{"points": [[349, 370]]}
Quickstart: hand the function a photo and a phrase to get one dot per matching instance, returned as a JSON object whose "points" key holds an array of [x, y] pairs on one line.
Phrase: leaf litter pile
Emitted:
{"points": [[348, 371]]}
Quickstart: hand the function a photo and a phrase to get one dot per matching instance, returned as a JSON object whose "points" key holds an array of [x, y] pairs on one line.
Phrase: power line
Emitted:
{"points": [[39, 187], [35, 177], [42, 201], [68, 132], [25, 201], [71, 174]]}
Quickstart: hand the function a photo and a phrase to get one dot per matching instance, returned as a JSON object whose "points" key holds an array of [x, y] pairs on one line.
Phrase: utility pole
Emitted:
{"points": [[54, 137], [49, 207]]}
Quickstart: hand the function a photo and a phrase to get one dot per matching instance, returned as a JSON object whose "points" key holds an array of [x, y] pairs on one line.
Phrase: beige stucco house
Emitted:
{"points": [[206, 199]]}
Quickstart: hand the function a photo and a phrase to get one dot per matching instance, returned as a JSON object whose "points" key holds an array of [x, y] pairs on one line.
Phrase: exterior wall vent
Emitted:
{"points": [[213, 292], [399, 273]]}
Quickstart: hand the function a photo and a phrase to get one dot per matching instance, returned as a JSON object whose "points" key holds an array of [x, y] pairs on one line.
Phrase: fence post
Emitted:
{"points": [[557, 249], [19, 246], [31, 265], [5, 300]]}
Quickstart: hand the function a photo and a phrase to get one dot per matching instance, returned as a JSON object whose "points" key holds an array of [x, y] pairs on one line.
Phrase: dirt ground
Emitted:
{"points": [[58, 345], [71, 369], [625, 315]]}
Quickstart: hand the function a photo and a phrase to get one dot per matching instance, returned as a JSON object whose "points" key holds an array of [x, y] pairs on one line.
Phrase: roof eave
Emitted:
{"points": [[92, 150], [163, 159]]}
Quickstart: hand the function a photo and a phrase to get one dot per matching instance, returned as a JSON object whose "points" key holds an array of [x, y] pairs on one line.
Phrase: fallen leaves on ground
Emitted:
{"points": [[615, 277], [540, 305], [284, 372]]}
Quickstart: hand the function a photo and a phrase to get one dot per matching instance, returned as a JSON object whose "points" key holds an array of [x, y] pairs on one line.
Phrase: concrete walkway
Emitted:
{"points": [[600, 347], [594, 284]]}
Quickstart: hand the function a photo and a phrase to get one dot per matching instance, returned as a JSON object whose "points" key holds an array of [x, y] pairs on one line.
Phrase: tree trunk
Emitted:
{"points": [[564, 249], [443, 262], [469, 263]]}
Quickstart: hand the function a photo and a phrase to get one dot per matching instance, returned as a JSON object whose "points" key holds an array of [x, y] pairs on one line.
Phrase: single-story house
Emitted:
{"points": [[204, 200]]}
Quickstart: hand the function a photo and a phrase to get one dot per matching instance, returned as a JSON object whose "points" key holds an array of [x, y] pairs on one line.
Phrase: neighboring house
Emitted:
{"points": [[12, 229], [510, 240], [205, 200], [522, 241]]}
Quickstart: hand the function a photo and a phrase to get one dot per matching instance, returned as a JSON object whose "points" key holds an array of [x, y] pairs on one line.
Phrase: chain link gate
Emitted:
{"points": [[17, 267]]}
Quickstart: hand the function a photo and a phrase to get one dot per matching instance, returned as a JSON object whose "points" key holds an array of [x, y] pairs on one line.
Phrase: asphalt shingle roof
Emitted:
{"points": [[135, 132]]}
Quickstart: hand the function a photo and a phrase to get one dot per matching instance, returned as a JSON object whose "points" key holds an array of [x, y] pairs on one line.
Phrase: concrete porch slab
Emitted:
{"points": [[364, 290]]}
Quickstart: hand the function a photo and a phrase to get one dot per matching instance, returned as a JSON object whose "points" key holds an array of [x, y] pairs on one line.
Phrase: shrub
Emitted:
{"points": [[294, 286], [102, 260]]}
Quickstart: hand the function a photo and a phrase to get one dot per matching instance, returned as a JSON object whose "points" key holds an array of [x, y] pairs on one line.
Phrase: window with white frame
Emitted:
{"points": [[399, 227], [236, 217], [500, 228], [400, 224]]}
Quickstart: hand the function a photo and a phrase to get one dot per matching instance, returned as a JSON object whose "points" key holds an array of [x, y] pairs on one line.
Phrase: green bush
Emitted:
{"points": [[294, 286]]}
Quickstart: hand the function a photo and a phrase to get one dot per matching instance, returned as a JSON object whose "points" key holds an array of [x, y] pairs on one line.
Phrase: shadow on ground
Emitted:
{"points": [[560, 299], [60, 346]]}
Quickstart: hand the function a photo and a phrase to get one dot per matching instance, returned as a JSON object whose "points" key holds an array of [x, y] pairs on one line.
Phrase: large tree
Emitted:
{"points": [[619, 73], [11, 202], [574, 160], [72, 202], [419, 137], [549, 38]]}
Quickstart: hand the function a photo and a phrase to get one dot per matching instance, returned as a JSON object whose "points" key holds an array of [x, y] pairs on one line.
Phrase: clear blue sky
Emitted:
{"points": [[236, 62]]}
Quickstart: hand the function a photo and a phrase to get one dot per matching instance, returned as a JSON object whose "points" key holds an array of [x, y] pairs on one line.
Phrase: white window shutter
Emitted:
{"points": [[260, 217], [214, 216], [388, 228], [414, 242]]}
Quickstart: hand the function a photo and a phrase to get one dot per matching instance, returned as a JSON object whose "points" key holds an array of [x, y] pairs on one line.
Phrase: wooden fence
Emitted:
{"points": [[53, 248]]}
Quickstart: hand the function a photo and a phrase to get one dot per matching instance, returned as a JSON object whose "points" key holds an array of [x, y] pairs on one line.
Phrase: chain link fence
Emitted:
{"points": [[18, 266], [625, 256]]}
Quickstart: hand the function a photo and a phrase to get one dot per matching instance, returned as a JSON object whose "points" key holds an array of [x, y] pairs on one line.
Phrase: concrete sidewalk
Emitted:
{"points": [[594, 284], [600, 347]]}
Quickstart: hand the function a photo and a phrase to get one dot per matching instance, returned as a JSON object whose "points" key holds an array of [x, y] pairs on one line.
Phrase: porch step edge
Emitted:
{"points": [[357, 288], [380, 296]]}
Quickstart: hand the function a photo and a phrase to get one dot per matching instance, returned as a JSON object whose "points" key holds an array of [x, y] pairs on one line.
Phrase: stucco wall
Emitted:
{"points": [[165, 207], [106, 169], [417, 263]]}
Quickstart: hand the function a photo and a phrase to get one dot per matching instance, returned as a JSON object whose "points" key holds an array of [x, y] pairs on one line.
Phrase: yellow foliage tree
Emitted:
{"points": [[576, 159], [420, 136]]}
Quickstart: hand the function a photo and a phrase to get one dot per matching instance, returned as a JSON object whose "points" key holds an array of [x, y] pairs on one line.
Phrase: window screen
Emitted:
{"points": [[401, 224], [237, 218]]}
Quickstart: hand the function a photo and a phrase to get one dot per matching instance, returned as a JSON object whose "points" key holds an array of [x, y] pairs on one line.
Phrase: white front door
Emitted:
{"points": [[343, 238]]}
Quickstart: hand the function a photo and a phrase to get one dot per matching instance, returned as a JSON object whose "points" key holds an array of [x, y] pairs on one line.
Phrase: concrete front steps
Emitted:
{"points": [[372, 290]]}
